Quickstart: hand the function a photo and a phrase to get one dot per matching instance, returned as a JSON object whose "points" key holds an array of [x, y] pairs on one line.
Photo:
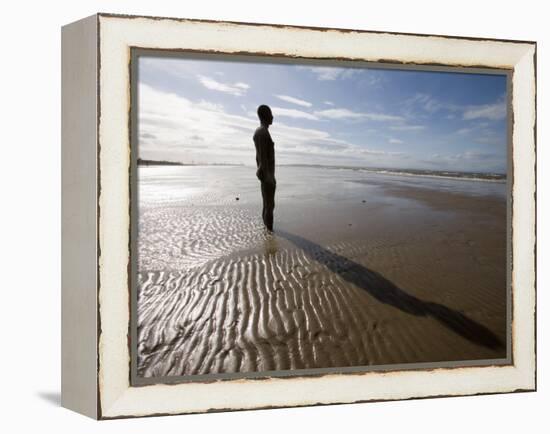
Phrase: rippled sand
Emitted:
{"points": [[377, 272]]}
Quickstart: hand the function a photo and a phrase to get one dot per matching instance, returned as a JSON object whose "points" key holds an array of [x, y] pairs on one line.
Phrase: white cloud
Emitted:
{"points": [[466, 155], [364, 76], [328, 73], [374, 78], [395, 141], [237, 89], [494, 112], [481, 132], [209, 105], [167, 66], [293, 100], [172, 127], [342, 113], [470, 160], [293, 113], [407, 127], [464, 131], [329, 103], [381, 153], [338, 114], [428, 103], [313, 145]]}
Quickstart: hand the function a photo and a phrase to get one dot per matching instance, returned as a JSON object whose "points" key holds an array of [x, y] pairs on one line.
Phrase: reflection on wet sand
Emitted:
{"points": [[271, 246]]}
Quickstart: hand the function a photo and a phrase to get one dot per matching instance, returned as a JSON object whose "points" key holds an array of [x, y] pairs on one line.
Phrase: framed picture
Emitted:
{"points": [[262, 216]]}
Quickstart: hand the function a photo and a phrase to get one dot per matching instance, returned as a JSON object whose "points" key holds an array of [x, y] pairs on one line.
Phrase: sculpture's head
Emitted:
{"points": [[265, 115]]}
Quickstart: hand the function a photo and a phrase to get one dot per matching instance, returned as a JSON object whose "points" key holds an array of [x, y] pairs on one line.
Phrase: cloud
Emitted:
{"points": [[470, 160], [373, 78], [175, 128], [167, 66], [364, 76], [428, 103], [328, 73], [467, 155], [493, 112], [432, 105], [381, 153], [314, 145], [494, 137], [237, 89], [491, 140], [293, 100], [209, 105], [293, 113], [328, 102], [395, 141], [342, 113], [407, 127], [481, 132], [464, 131]]}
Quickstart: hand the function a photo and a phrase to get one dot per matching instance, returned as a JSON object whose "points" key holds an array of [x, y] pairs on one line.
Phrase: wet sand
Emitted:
{"points": [[362, 270]]}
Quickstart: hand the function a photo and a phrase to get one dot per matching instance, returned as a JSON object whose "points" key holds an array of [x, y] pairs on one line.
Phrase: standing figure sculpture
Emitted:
{"points": [[265, 162]]}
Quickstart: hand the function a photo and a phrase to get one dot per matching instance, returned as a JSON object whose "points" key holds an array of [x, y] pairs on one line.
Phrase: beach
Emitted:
{"points": [[362, 269]]}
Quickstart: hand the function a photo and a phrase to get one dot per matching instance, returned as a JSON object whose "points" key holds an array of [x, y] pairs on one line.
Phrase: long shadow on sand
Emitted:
{"points": [[386, 292]]}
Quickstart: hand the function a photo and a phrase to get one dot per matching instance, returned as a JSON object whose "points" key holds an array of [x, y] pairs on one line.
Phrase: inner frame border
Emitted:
{"points": [[253, 57]]}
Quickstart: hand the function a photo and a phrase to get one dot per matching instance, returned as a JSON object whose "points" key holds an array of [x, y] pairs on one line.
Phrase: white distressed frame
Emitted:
{"points": [[116, 35]]}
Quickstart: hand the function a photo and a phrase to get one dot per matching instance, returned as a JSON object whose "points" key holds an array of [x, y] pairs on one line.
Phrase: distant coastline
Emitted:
{"points": [[448, 174], [141, 162], [145, 162], [473, 176]]}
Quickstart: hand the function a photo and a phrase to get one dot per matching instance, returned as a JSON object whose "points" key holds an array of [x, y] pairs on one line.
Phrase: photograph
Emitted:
{"points": [[295, 217], [258, 215]]}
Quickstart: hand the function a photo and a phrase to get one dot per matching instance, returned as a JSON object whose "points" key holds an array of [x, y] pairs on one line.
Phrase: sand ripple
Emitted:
{"points": [[183, 237], [297, 307]]}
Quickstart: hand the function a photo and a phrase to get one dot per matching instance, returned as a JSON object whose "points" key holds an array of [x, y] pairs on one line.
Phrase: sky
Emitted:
{"points": [[203, 111]]}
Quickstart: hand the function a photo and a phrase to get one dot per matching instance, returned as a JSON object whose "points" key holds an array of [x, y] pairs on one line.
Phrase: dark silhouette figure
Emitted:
{"points": [[265, 162], [386, 292]]}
